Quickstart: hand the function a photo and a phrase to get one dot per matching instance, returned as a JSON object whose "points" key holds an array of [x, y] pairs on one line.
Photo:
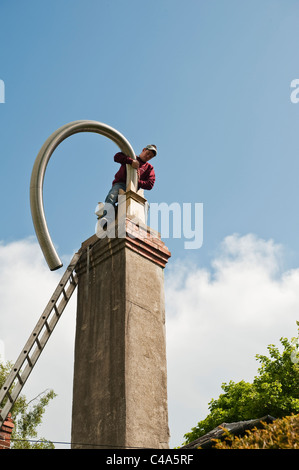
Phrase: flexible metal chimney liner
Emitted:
{"points": [[38, 174]]}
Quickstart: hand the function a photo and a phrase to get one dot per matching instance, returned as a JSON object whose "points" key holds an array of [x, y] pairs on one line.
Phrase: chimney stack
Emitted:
{"points": [[120, 379]]}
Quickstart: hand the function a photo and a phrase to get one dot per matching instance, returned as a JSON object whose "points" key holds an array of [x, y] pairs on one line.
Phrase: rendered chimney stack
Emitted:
{"points": [[120, 377]]}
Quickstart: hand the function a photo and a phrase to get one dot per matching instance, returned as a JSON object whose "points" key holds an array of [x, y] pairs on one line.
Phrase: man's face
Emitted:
{"points": [[146, 155]]}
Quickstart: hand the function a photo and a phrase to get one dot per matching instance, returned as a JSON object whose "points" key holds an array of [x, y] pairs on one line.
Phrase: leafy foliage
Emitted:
{"points": [[281, 434], [27, 415], [274, 391]]}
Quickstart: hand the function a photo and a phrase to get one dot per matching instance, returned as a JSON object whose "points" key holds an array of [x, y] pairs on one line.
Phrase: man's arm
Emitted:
{"points": [[122, 158]]}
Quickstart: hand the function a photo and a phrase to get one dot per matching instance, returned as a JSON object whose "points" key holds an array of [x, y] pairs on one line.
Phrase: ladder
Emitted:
{"points": [[38, 339]]}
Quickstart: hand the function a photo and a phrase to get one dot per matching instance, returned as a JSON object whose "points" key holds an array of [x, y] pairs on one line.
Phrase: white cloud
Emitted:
{"points": [[26, 285], [217, 320]]}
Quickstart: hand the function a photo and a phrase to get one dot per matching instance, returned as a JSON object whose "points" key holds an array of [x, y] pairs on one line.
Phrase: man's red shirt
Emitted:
{"points": [[147, 175]]}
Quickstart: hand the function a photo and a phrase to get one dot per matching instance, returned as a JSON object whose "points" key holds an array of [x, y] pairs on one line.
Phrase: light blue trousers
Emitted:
{"points": [[111, 199]]}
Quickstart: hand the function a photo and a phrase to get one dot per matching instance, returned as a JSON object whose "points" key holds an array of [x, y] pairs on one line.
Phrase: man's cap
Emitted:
{"points": [[153, 148]]}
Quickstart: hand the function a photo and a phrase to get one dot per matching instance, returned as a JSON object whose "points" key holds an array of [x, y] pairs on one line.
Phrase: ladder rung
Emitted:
{"points": [[29, 360], [37, 342], [9, 397], [20, 378]]}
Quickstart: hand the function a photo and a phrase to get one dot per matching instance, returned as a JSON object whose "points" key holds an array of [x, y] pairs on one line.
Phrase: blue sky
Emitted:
{"points": [[207, 82]]}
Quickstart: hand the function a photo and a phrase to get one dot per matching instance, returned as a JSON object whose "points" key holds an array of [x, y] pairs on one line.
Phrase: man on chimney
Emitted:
{"points": [[146, 178]]}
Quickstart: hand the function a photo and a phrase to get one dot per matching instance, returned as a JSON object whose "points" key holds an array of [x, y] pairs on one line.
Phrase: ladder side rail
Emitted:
{"points": [[53, 322], [34, 338], [34, 357], [46, 335]]}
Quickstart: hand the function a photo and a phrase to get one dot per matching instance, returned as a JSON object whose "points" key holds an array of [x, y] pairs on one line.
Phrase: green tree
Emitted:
{"points": [[27, 415], [274, 391]]}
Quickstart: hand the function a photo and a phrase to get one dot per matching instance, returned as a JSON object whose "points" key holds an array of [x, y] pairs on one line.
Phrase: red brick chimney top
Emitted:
{"points": [[5, 432]]}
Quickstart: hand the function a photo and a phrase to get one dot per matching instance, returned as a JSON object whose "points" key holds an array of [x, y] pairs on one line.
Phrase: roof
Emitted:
{"points": [[237, 429]]}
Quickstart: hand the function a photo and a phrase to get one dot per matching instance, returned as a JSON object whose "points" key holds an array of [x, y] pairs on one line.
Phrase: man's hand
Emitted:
{"points": [[135, 164]]}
